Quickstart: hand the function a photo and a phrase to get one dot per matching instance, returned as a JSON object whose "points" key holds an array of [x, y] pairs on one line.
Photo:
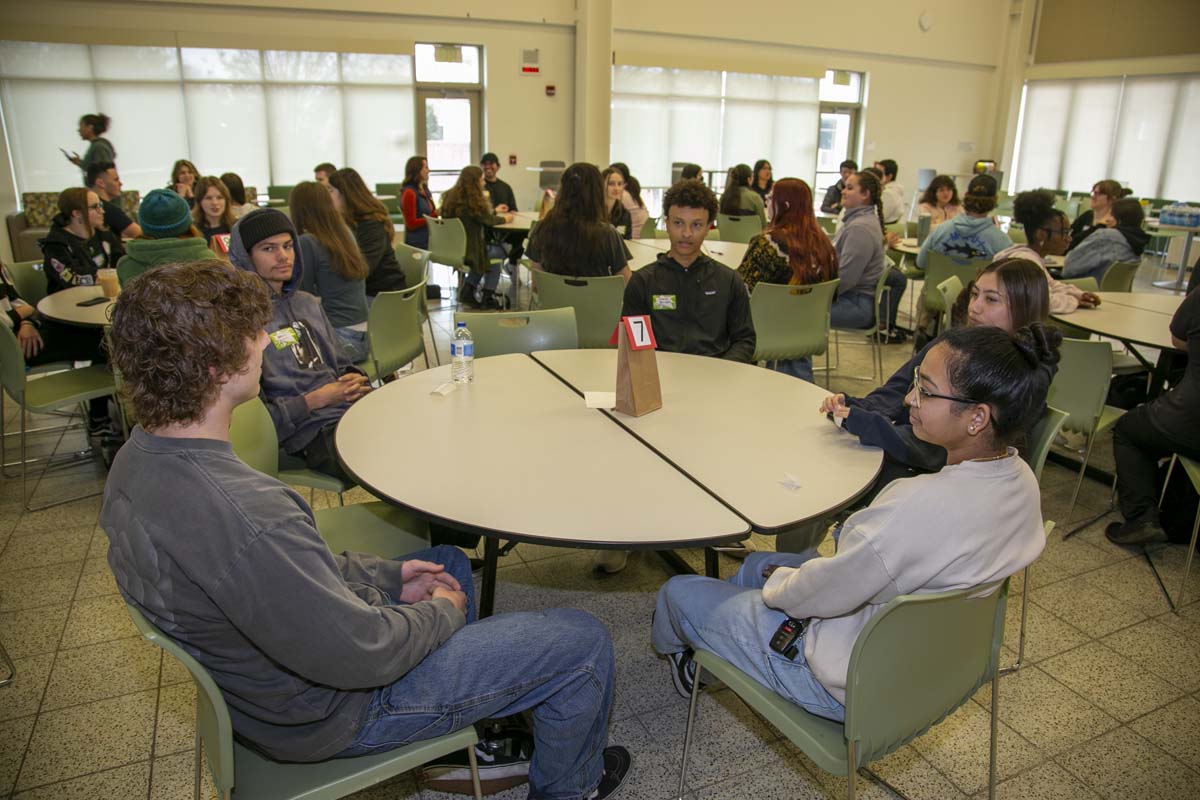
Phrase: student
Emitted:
{"points": [[975, 522], [792, 250], [466, 201], [575, 238], [614, 189], [832, 204], [632, 200], [762, 181], [334, 268], [972, 234], [1167, 425], [894, 201], [690, 172], [499, 192], [859, 246], [92, 128], [168, 236], [1046, 234], [1119, 238], [237, 195], [319, 655], [738, 199], [183, 178], [102, 178], [1104, 194], [372, 227], [77, 245], [213, 214], [416, 202], [322, 171], [940, 201]]}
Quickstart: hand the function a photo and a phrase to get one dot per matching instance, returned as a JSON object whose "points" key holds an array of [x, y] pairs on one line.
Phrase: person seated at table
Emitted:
{"points": [[832, 204], [318, 654], [972, 234], [614, 189], [974, 523], [183, 178], [512, 243], [213, 214], [1104, 194], [102, 178], [893, 198], [322, 171], [1167, 425], [334, 268], [738, 199], [762, 181], [237, 195], [168, 236], [78, 244], [792, 250], [632, 200], [373, 230], [416, 202], [1119, 238], [691, 172], [859, 245], [466, 201], [1046, 234], [940, 201], [576, 238]]}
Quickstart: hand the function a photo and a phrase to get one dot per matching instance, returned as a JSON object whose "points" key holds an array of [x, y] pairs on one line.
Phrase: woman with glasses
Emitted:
{"points": [[1104, 194], [1046, 234], [78, 244], [974, 523]]}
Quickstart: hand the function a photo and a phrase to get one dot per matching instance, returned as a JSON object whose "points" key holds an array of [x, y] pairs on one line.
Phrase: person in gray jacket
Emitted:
{"points": [[859, 246], [1103, 246], [318, 654]]}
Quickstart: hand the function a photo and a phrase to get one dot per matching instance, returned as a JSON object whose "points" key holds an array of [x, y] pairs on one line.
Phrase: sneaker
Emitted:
{"points": [[1142, 531], [617, 762], [503, 763], [683, 672], [610, 562], [738, 550], [889, 337]]}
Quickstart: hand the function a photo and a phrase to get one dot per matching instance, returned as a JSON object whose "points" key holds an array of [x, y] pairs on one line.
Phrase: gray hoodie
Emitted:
{"points": [[859, 246], [303, 355]]}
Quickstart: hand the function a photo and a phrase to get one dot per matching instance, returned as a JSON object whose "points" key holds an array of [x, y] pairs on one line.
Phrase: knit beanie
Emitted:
{"points": [[164, 214], [263, 224]]}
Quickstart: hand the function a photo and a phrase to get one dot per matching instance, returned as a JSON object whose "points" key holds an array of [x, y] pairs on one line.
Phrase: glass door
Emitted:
{"points": [[835, 144], [448, 133]]}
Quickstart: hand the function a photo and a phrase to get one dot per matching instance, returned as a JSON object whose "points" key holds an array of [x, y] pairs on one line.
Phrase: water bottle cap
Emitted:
{"points": [[461, 325]]}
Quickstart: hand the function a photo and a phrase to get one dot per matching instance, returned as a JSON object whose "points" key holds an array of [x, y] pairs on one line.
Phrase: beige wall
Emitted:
{"points": [[1084, 30]]}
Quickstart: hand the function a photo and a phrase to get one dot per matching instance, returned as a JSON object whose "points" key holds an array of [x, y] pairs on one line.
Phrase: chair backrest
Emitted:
{"points": [[1017, 234], [212, 715], [1040, 436], [742, 229], [597, 303], [791, 321], [648, 228], [1119, 276], [828, 224], [279, 191], [898, 228], [393, 189], [29, 280], [12, 365], [949, 289], [394, 328], [940, 267], [918, 659], [252, 435], [447, 242], [1088, 284], [1081, 384], [414, 263], [521, 331]]}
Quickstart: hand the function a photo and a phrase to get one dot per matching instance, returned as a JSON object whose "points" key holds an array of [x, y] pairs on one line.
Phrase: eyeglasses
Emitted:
{"points": [[97, 207], [925, 393]]}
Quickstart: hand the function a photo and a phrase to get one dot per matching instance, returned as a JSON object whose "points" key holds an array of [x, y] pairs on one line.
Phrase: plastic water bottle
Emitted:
{"points": [[462, 355]]}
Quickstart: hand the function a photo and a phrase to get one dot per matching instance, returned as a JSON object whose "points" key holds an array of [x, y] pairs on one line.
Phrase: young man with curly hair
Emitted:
{"points": [[318, 655]]}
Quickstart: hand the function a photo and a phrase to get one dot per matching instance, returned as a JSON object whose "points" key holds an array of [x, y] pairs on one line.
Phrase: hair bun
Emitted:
{"points": [[1039, 344]]}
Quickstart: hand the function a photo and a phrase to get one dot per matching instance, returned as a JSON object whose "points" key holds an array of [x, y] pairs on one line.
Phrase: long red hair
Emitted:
{"points": [[793, 224]]}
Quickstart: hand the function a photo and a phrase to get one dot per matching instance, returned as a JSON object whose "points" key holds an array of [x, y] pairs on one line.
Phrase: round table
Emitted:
{"points": [[646, 251], [522, 221], [63, 306], [1189, 233]]}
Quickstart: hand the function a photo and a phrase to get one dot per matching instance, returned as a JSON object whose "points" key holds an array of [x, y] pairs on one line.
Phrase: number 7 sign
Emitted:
{"points": [[639, 332]]}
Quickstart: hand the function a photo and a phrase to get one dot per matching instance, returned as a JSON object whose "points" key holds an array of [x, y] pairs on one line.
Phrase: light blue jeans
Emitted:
{"points": [[730, 619], [852, 310], [559, 663], [796, 367], [353, 343], [491, 278]]}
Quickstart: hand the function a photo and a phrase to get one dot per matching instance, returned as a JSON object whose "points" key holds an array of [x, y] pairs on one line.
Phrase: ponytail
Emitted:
{"points": [[869, 183]]}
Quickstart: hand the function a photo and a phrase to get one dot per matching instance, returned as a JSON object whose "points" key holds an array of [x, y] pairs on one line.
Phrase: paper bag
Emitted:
{"points": [[638, 389]]}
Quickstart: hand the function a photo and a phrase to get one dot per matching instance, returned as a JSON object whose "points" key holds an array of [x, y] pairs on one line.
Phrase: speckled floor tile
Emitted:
{"points": [[176, 728], [1046, 712], [172, 778], [1132, 582], [781, 778], [1160, 650], [33, 631], [1047, 781], [50, 547], [1174, 728], [89, 738], [1111, 681], [1186, 622], [94, 672], [401, 787], [173, 671], [12, 750], [96, 580], [99, 546], [1170, 561], [643, 679], [23, 696], [1086, 606], [905, 769], [69, 516], [39, 586], [1045, 634], [132, 780], [1121, 765], [98, 619]]}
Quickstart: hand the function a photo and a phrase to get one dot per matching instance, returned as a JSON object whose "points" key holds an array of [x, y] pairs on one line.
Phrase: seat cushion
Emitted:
{"points": [[40, 208]]}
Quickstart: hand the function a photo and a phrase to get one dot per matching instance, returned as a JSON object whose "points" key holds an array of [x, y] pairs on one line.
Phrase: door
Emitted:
{"points": [[835, 144], [448, 133]]}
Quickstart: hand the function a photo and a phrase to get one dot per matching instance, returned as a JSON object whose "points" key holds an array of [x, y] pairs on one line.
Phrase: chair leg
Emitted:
{"points": [[851, 771], [994, 733], [1187, 564], [1079, 482], [1021, 641], [341, 498], [475, 787], [8, 665], [197, 766], [433, 342], [691, 723]]}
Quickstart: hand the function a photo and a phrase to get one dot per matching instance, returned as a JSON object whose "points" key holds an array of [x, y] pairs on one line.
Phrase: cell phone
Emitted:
{"points": [[92, 301]]}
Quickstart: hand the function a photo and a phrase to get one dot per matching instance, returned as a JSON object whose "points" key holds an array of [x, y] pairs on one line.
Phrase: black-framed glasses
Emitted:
{"points": [[925, 393], [97, 207]]}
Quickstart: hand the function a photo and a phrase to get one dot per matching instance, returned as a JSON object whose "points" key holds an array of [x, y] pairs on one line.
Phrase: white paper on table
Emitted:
{"points": [[789, 482], [600, 399], [445, 389]]}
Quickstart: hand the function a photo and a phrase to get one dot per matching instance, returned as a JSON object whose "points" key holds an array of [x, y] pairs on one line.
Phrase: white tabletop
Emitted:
{"points": [[1157, 302], [1123, 322], [908, 246], [740, 430], [646, 251], [62, 306], [522, 221], [517, 455]]}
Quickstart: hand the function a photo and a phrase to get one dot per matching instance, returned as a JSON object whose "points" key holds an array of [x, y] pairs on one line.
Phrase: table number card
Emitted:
{"points": [[638, 389]]}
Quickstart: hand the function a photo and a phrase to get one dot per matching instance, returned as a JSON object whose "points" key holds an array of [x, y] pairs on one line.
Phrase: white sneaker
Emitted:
{"points": [[611, 561], [738, 549]]}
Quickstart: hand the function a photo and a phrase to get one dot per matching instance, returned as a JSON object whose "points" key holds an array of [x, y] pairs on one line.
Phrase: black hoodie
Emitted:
{"points": [[71, 261]]}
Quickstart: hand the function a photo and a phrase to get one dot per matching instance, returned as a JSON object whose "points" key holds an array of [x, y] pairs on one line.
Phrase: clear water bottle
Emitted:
{"points": [[462, 355]]}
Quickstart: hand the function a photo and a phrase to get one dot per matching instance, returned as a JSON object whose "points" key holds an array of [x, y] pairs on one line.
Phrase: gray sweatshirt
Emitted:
{"points": [[228, 562], [859, 246]]}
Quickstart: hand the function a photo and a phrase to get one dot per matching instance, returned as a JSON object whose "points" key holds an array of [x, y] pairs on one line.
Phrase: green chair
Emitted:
{"points": [[899, 228], [1017, 234], [393, 206], [414, 263], [42, 395], [949, 289], [280, 191], [1088, 284], [939, 268], [521, 331], [649, 227], [1080, 388], [915, 662], [828, 224], [235, 766], [792, 321], [1192, 468], [742, 229], [29, 280], [448, 244], [394, 331], [597, 303], [1119, 276], [881, 288]]}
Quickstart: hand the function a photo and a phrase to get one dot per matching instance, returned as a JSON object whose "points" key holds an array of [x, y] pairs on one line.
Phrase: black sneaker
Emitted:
{"points": [[503, 763], [617, 762], [889, 337], [1142, 531], [683, 672]]}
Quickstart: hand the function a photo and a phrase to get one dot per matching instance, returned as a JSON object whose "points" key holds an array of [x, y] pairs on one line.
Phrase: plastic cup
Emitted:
{"points": [[108, 282]]}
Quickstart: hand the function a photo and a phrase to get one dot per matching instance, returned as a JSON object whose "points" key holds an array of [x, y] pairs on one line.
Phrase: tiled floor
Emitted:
{"points": [[1108, 706]]}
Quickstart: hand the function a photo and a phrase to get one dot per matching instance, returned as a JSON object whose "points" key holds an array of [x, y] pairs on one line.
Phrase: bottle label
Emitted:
{"points": [[464, 349]]}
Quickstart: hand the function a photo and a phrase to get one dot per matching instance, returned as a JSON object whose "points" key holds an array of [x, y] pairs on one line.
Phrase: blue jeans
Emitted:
{"points": [[353, 344], [796, 367], [896, 281], [491, 278], [852, 310], [730, 619], [559, 663]]}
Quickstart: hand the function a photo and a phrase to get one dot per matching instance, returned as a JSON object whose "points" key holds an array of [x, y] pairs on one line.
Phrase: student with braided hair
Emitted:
{"points": [[859, 247]]}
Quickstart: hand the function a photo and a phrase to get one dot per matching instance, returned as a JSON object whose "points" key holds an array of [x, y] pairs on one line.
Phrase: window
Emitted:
{"points": [[841, 105], [268, 115], [448, 63]]}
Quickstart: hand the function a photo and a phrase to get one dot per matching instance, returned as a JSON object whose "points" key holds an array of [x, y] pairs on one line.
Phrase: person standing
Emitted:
{"points": [[92, 128], [416, 202]]}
